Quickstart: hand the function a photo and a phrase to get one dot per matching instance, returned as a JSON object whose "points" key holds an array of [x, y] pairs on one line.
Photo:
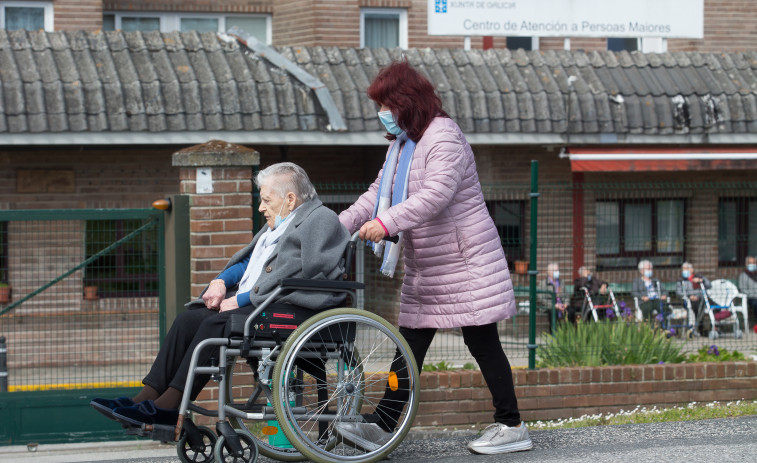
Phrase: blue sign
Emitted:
{"points": [[441, 6]]}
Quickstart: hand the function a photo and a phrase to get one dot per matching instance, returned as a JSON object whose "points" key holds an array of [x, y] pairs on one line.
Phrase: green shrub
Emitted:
{"points": [[441, 366], [470, 366], [713, 354], [607, 343]]}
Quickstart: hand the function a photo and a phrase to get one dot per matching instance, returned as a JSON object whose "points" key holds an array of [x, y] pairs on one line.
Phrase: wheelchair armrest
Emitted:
{"points": [[320, 285]]}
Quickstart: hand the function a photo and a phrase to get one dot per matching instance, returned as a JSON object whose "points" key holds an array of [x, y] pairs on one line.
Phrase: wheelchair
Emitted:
{"points": [[309, 371]]}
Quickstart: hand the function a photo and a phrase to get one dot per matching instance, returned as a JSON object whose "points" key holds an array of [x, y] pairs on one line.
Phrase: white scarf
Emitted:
{"points": [[260, 254]]}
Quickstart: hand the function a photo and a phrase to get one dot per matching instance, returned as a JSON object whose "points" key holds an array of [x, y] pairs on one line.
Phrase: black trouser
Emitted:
{"points": [[484, 344], [171, 366]]}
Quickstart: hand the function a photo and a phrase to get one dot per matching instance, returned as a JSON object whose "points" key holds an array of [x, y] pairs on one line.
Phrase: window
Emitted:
{"points": [[509, 218], [129, 270], [3, 252], [31, 16], [616, 44], [628, 231], [258, 25], [736, 218], [383, 27], [526, 43]]}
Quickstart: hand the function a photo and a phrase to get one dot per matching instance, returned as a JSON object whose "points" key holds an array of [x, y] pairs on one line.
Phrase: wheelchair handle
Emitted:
{"points": [[356, 236]]}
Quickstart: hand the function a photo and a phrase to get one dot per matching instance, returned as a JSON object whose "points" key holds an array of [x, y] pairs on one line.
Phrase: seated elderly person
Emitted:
{"points": [[301, 239], [586, 280], [554, 285], [689, 287], [748, 284], [648, 291]]}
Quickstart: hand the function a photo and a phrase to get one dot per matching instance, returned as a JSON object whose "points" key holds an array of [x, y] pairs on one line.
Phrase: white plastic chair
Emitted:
{"points": [[724, 292]]}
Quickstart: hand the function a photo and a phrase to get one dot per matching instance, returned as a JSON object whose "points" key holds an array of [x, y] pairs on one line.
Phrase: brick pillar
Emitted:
{"points": [[217, 177]]}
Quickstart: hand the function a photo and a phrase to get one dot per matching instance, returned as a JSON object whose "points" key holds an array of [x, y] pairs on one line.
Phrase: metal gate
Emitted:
{"points": [[84, 318]]}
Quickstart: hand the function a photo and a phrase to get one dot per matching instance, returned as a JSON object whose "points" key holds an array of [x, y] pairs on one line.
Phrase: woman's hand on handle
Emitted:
{"points": [[372, 231]]}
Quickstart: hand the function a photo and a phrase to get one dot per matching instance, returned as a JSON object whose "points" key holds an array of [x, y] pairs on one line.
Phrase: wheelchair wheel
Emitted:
{"points": [[341, 382], [198, 453], [259, 431], [223, 454]]}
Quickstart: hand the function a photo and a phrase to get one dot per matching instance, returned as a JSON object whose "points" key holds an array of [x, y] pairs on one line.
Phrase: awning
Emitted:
{"points": [[645, 159]]}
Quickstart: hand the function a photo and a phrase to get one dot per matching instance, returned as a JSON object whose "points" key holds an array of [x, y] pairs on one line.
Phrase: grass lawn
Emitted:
{"points": [[690, 412]]}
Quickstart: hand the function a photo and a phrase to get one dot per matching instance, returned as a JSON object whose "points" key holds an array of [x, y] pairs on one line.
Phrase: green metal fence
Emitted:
{"points": [[609, 228], [86, 313]]}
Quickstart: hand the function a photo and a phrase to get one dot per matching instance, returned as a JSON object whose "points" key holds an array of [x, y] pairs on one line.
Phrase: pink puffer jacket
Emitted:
{"points": [[455, 268]]}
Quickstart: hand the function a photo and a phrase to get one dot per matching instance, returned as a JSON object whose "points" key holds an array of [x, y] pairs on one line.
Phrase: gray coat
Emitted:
{"points": [[639, 289], [311, 247], [747, 286], [688, 287]]}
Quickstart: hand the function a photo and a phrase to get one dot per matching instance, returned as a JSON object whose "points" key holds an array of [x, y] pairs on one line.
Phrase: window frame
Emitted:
{"points": [[639, 255], [521, 247], [742, 229], [4, 257], [402, 16], [534, 42], [170, 22], [638, 43], [48, 8]]}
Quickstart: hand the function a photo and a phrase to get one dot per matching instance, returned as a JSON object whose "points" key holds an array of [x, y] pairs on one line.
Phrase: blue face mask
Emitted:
{"points": [[686, 274], [278, 220], [648, 273], [751, 267], [387, 118], [588, 277], [556, 275]]}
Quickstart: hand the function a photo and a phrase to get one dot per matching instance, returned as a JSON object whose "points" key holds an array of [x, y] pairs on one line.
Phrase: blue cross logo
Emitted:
{"points": [[441, 6]]}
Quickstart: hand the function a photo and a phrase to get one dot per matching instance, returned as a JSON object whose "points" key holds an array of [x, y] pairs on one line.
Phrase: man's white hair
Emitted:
{"points": [[289, 177], [643, 264]]}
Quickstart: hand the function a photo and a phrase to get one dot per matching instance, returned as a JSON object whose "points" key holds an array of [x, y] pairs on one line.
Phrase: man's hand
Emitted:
{"points": [[372, 231], [644, 298], [229, 304], [694, 298], [215, 294]]}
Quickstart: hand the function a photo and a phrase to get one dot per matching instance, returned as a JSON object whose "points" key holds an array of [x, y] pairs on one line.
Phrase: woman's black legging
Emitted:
{"points": [[484, 344]]}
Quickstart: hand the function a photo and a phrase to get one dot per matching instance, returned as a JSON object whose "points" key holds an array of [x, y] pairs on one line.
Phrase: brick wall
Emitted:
{"points": [[728, 24], [461, 397], [220, 222], [191, 6], [75, 15]]}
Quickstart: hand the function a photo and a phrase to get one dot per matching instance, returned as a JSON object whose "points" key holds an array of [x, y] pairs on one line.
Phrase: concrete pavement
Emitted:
{"points": [[721, 440]]}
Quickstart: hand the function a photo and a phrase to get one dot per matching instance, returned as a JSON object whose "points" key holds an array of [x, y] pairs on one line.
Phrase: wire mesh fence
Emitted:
{"points": [[613, 232], [52, 260], [83, 309]]}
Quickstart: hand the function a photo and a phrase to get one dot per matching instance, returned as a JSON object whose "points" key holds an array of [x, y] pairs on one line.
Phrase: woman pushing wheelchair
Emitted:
{"points": [[302, 239]]}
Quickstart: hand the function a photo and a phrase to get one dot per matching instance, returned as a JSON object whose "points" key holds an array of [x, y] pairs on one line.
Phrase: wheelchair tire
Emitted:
{"points": [[355, 370], [222, 453], [254, 429], [187, 454]]}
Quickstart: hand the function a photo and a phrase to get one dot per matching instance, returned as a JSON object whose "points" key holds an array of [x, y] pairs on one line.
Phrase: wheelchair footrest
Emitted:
{"points": [[159, 432]]}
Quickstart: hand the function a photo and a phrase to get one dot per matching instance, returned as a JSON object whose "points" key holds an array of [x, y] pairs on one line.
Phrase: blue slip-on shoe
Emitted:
{"points": [[106, 406], [146, 413]]}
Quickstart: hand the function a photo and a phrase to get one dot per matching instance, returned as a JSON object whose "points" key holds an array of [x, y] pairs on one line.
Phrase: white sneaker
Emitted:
{"points": [[498, 438], [363, 436]]}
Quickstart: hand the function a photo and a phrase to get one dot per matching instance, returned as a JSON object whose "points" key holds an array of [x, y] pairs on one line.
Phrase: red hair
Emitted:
{"points": [[410, 97]]}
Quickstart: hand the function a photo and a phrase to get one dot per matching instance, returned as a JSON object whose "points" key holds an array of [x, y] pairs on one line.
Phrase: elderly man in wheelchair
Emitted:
{"points": [[311, 367]]}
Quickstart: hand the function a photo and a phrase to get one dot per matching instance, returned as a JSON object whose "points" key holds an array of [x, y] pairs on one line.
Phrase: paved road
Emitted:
{"points": [[722, 441]]}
